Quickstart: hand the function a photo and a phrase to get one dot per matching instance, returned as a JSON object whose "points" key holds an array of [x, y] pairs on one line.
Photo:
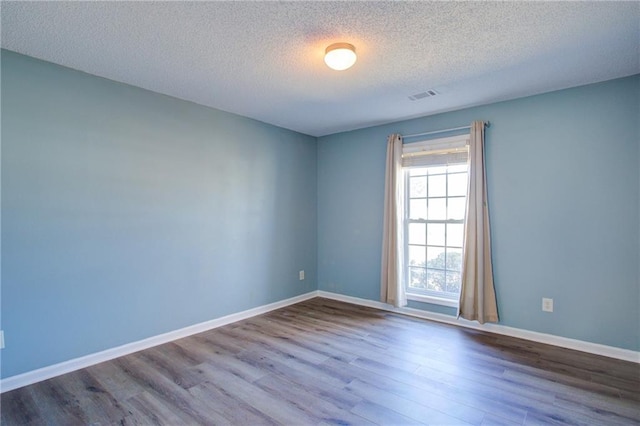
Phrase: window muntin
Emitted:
{"points": [[434, 227]]}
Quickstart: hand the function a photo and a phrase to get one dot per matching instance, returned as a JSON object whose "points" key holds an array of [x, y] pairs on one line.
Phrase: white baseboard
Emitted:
{"points": [[51, 371], [549, 339]]}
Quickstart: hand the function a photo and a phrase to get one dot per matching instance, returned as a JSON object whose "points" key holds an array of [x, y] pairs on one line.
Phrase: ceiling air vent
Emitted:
{"points": [[422, 95]]}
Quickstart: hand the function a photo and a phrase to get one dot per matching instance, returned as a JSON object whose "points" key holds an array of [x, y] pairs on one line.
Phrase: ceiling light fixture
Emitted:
{"points": [[340, 56]]}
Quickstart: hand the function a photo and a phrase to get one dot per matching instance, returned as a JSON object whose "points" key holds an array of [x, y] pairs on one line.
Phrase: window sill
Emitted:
{"points": [[433, 300]]}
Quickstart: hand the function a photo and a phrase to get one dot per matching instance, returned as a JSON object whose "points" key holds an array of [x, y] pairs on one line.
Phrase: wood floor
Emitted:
{"points": [[327, 362]]}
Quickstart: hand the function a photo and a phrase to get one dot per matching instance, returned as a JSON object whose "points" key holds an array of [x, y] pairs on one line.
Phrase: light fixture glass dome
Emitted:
{"points": [[340, 56]]}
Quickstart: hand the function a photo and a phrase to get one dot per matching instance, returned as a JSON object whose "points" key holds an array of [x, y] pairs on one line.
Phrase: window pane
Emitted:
{"points": [[437, 208], [457, 168], [434, 249], [417, 278], [435, 280], [455, 233], [435, 234], [435, 257], [417, 233], [456, 208], [453, 282], [454, 259], [417, 256], [437, 186], [418, 209], [457, 184], [418, 187]]}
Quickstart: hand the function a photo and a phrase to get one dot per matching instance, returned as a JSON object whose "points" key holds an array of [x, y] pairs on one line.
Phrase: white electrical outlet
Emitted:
{"points": [[547, 305], [1, 339], [301, 274]]}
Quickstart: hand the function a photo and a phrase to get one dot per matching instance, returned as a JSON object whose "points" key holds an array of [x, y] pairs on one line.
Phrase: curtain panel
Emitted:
{"points": [[391, 287], [477, 294]]}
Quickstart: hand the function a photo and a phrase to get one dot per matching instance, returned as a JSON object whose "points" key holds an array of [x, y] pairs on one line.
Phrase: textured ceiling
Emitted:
{"points": [[264, 60]]}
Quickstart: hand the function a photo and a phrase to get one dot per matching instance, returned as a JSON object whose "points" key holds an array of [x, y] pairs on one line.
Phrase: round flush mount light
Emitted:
{"points": [[340, 56]]}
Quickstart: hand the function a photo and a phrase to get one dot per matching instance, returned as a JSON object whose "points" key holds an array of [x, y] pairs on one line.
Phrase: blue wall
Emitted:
{"points": [[126, 213], [563, 198]]}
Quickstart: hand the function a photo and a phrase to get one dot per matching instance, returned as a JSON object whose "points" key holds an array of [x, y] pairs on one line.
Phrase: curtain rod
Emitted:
{"points": [[486, 123]]}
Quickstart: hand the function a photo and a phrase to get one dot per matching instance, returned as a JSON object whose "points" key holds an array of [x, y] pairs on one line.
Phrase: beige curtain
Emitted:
{"points": [[391, 288], [477, 295]]}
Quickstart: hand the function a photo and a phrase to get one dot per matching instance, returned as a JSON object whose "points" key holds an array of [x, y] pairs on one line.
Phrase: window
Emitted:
{"points": [[435, 174]]}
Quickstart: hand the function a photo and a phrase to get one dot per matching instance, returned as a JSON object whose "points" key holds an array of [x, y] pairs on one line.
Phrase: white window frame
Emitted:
{"points": [[435, 147]]}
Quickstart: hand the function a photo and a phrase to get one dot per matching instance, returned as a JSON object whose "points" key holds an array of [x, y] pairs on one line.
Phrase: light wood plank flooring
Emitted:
{"points": [[327, 362]]}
